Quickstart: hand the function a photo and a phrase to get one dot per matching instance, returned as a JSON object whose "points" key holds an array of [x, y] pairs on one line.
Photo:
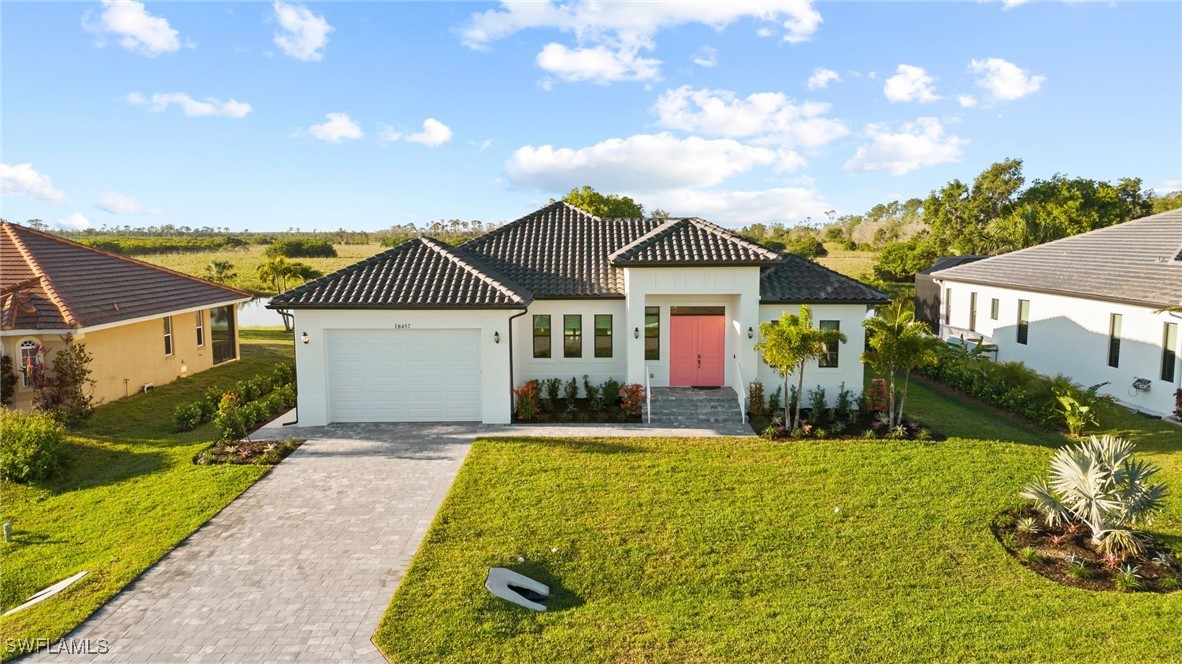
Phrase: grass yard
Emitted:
{"points": [[129, 495], [741, 549], [247, 260]]}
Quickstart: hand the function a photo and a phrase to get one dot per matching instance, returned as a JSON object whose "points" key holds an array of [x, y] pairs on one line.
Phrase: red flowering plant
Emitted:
{"points": [[876, 396], [632, 399], [528, 406]]}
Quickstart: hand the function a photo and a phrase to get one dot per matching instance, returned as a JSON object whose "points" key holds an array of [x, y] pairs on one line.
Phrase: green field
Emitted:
{"points": [[129, 494], [747, 550], [856, 264], [247, 260]]}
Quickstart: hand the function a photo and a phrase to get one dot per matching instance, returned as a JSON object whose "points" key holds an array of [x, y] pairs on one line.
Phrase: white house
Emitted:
{"points": [[431, 332], [1089, 307]]}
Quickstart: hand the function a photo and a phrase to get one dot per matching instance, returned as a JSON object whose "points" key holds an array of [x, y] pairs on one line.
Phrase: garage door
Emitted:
{"points": [[404, 375]]}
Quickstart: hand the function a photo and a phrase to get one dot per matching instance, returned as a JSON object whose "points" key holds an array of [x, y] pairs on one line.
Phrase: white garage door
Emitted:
{"points": [[404, 375]]}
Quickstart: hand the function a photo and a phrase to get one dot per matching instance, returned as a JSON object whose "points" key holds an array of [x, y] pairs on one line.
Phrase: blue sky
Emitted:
{"points": [[269, 115]]}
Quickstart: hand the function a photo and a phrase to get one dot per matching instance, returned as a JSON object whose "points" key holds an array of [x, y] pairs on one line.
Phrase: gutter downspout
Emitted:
{"points": [[511, 383]]}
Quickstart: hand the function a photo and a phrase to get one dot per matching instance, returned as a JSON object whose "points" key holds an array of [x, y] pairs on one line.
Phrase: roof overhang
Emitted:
{"points": [[120, 323], [1052, 291]]}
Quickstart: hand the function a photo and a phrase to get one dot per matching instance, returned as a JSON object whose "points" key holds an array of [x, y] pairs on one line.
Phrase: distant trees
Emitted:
{"points": [[221, 272], [278, 271], [604, 205], [302, 248]]}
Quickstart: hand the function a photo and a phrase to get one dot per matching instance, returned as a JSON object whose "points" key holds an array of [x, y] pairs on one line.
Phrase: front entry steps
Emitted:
{"points": [[686, 407]]}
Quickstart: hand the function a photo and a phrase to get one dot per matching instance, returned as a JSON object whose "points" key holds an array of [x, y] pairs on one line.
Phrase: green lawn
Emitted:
{"points": [[129, 495], [741, 549], [247, 260]]}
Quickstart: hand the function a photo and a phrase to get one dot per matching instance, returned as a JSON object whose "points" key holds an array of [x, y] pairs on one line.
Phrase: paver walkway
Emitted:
{"points": [[302, 565]]}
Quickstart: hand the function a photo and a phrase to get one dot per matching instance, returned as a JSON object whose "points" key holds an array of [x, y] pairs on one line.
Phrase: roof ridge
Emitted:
{"points": [[481, 240], [660, 229], [477, 267], [67, 315], [401, 246], [755, 246], [111, 254]]}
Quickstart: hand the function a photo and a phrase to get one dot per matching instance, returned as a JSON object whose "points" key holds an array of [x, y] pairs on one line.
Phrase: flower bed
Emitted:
{"points": [[241, 452], [558, 401], [850, 417]]}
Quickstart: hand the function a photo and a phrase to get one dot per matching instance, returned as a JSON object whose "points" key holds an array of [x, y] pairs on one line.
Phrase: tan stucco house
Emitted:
{"points": [[142, 324]]}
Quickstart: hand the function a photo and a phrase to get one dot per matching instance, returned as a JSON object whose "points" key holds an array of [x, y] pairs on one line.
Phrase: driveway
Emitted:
{"points": [[302, 565]]}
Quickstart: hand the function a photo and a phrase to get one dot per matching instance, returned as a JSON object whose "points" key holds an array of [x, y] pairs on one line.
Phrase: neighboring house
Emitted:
{"points": [[927, 291], [428, 331], [142, 324], [1084, 306]]}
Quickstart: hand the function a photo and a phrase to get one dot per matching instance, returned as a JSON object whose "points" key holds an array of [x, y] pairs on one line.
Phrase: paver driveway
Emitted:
{"points": [[302, 565]]}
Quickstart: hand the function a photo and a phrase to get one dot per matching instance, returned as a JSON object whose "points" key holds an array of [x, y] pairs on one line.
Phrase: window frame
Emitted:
{"points": [[597, 337], [201, 329], [169, 348], [995, 309], [823, 362], [572, 337], [549, 337], [31, 345], [1169, 356], [655, 328], [948, 306], [1024, 322], [973, 311], [1115, 323]]}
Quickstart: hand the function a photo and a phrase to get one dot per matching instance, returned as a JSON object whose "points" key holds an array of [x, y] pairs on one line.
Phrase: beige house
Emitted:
{"points": [[142, 324]]}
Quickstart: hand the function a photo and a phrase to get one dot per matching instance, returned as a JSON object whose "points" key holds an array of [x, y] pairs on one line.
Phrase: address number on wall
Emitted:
{"points": [[401, 326]]}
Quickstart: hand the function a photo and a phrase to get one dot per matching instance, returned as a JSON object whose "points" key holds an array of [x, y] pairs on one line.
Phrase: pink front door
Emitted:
{"points": [[697, 346]]}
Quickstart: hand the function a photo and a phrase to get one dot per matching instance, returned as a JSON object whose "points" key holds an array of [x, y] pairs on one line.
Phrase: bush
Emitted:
{"points": [[818, 411], [527, 401], [900, 261], [756, 404], [632, 401], [8, 381], [610, 391], [231, 418], [570, 391], [30, 445], [62, 392], [189, 416], [302, 249]]}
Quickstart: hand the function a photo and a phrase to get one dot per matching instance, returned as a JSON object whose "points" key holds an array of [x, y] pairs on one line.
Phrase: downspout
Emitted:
{"points": [[295, 366], [511, 383]]}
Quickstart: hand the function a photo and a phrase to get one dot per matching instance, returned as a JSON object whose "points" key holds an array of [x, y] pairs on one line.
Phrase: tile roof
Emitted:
{"points": [[1137, 262], [798, 279], [51, 283], [692, 241], [419, 273], [560, 252]]}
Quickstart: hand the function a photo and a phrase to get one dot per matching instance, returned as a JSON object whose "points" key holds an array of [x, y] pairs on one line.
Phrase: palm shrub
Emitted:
{"points": [[1078, 409], [789, 344], [897, 343], [1097, 483]]}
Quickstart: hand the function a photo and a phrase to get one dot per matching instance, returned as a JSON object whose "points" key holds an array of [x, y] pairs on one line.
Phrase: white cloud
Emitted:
{"points": [[707, 56], [302, 34], [481, 146], [610, 35], [1005, 81], [822, 77], [599, 64], [136, 29], [434, 134], [208, 107], [910, 83], [336, 128], [916, 144], [388, 134], [23, 180], [642, 163], [119, 204], [1169, 187], [770, 116], [966, 101], [74, 222], [739, 208], [1010, 4]]}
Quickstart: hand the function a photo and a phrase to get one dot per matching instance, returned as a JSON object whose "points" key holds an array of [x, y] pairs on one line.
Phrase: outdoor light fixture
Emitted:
{"points": [[304, 337], [750, 333], [496, 337], [636, 333]]}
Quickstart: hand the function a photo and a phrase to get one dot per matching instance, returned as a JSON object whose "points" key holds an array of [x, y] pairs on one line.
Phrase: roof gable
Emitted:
{"points": [[51, 283], [689, 242], [419, 273], [1136, 262]]}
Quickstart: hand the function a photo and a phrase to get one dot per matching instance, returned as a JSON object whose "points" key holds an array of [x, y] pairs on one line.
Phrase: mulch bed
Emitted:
{"points": [[247, 452], [1054, 546], [562, 413], [862, 427]]}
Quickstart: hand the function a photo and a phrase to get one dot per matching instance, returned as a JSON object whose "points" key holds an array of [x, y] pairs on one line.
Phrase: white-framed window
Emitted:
{"points": [[201, 329], [167, 335], [30, 361]]}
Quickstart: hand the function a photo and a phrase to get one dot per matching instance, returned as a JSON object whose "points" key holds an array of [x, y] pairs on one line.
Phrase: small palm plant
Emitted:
{"points": [[1098, 483]]}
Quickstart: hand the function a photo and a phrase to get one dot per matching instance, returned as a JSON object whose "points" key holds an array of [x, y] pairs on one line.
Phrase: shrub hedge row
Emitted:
{"points": [[302, 249], [140, 246], [193, 415]]}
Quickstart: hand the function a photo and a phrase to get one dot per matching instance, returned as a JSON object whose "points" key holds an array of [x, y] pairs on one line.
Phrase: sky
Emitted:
{"points": [[273, 115]]}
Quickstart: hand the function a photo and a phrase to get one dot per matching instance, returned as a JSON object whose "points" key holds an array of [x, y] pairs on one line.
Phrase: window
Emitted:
{"points": [[829, 359], [947, 306], [201, 329], [542, 336], [31, 360], [221, 334], [572, 335], [1169, 357], [603, 335], [973, 311], [995, 309], [168, 335], [1114, 323], [652, 333], [1023, 321]]}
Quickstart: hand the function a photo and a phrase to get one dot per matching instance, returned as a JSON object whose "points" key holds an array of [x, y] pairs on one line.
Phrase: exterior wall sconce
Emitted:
{"points": [[750, 333], [496, 337], [304, 338], [636, 333]]}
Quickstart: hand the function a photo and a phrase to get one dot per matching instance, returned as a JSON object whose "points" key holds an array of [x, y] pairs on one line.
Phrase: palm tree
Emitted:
{"points": [[788, 345], [304, 272], [898, 343], [220, 272], [276, 272]]}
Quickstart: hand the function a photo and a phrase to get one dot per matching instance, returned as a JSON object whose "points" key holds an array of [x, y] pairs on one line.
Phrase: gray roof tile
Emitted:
{"points": [[692, 241], [800, 280], [1137, 262]]}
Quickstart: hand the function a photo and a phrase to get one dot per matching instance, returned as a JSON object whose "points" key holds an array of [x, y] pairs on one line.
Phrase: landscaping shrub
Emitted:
{"points": [[570, 391], [282, 379], [302, 249], [756, 404], [528, 407], [818, 411], [843, 409], [632, 400], [30, 445], [610, 391], [594, 397], [230, 419], [62, 390], [1178, 404], [7, 381]]}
